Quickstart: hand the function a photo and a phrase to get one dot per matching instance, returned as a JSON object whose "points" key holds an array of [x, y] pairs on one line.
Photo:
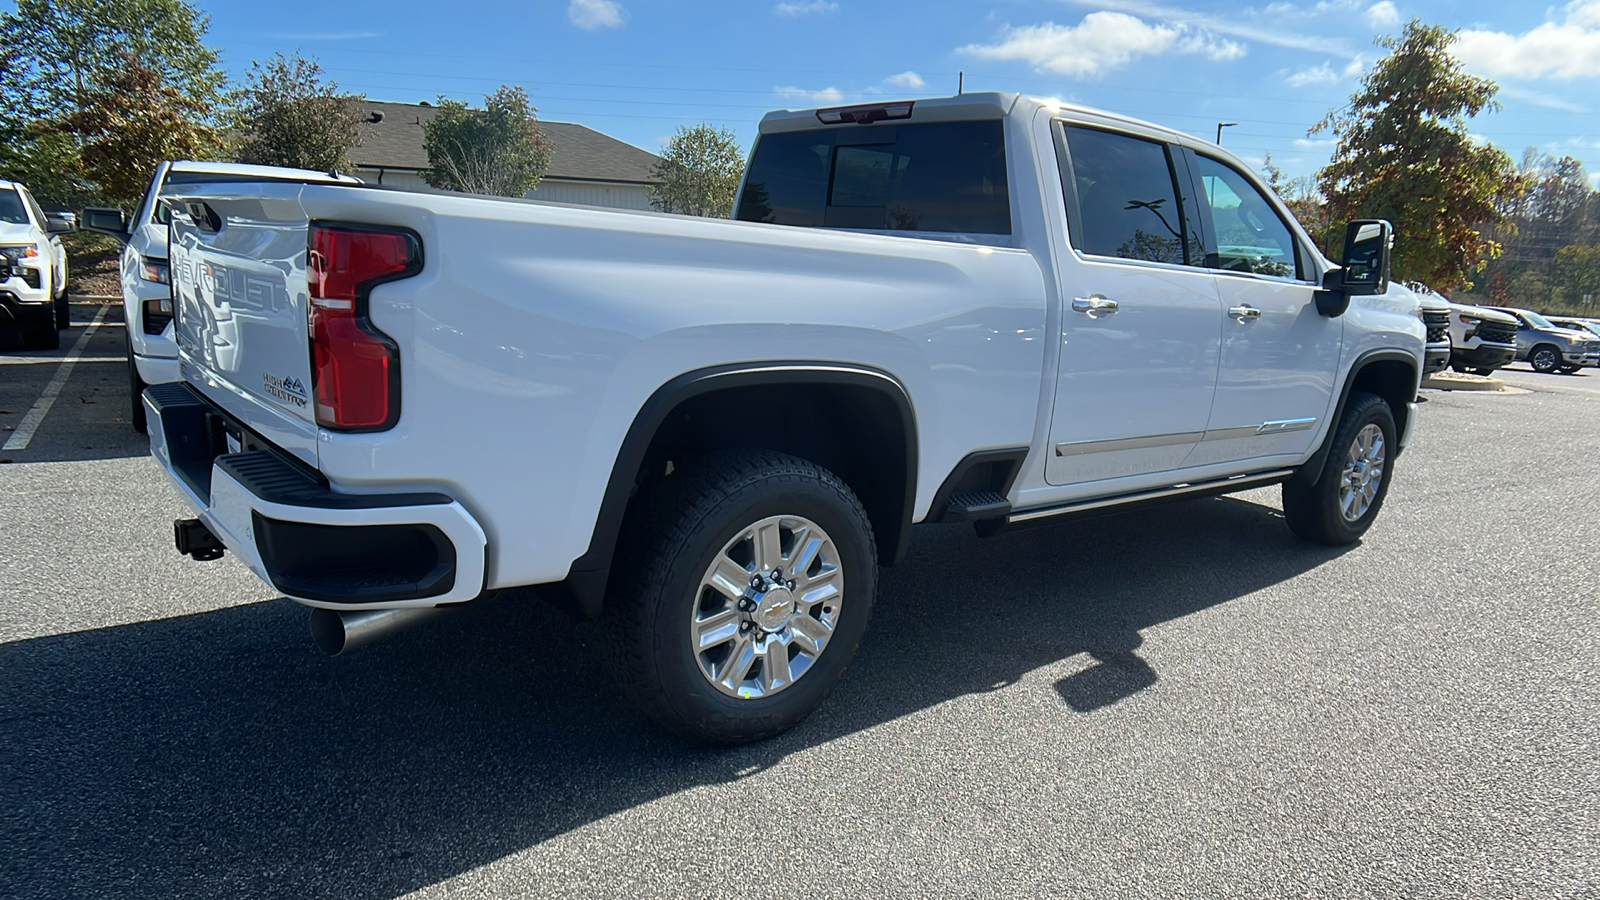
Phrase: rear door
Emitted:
{"points": [[1141, 321], [238, 271]]}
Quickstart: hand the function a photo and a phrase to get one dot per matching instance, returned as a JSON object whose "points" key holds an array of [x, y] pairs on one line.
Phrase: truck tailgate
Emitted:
{"points": [[239, 286]]}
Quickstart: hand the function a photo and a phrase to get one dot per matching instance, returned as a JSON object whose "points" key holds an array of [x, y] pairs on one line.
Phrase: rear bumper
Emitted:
{"points": [[318, 546]]}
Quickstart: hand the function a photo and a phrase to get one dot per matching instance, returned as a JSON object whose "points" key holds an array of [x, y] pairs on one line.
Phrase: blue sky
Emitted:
{"points": [[636, 69]]}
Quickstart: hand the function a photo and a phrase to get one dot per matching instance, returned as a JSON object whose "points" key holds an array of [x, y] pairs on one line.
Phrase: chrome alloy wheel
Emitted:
{"points": [[767, 607], [1363, 473]]}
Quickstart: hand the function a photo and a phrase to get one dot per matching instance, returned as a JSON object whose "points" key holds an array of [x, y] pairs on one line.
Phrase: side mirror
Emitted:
{"points": [[60, 222], [1368, 244], [106, 220]]}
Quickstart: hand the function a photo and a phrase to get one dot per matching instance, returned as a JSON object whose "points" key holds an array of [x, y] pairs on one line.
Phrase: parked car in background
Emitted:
{"points": [[33, 268], [1590, 325], [1481, 340], [1434, 311], [146, 296], [1549, 348]]}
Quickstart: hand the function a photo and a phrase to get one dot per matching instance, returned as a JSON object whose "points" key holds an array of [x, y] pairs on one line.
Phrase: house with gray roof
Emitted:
{"points": [[585, 166]]}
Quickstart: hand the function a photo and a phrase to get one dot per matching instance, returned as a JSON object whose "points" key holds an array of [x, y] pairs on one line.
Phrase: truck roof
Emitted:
{"points": [[978, 105], [222, 168]]}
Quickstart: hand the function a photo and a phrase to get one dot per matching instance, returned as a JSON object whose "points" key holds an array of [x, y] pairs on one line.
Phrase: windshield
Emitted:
{"points": [[11, 211], [1537, 320]]}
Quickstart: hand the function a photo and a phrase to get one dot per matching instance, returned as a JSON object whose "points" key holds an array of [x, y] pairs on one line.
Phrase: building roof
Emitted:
{"points": [[578, 154]]}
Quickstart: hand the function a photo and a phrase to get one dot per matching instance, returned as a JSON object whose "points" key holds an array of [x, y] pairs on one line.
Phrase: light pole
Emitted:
{"points": [[1220, 126]]}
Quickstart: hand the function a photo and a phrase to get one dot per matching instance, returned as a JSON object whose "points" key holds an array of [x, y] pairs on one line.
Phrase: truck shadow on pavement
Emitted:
{"points": [[219, 754]]}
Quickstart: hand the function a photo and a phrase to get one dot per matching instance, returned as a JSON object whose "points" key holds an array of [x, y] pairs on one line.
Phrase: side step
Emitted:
{"points": [[970, 506], [1139, 498]]}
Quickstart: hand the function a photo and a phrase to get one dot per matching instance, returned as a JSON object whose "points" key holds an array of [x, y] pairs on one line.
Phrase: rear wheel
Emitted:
{"points": [[1544, 358], [1340, 505], [739, 595]]}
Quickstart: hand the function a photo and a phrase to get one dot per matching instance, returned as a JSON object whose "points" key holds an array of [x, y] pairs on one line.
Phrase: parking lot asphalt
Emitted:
{"points": [[1177, 702]]}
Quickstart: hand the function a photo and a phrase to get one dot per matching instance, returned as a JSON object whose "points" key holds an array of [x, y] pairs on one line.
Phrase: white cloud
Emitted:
{"points": [[827, 95], [592, 14], [1240, 26], [1356, 66], [805, 9], [1538, 99], [1569, 49], [1322, 74], [1315, 144], [907, 79], [1103, 41], [1383, 14]]}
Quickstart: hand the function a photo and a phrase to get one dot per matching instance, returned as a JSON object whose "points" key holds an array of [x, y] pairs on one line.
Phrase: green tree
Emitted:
{"points": [[498, 150], [133, 123], [699, 172], [288, 116], [1404, 155], [1578, 272], [56, 55]]}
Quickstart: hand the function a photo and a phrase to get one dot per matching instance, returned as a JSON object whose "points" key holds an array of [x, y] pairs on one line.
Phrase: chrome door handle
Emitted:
{"points": [[1240, 313], [1094, 303]]}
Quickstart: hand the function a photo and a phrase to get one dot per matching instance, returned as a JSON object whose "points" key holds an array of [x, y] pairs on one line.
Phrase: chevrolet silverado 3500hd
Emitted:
{"points": [[986, 308]]}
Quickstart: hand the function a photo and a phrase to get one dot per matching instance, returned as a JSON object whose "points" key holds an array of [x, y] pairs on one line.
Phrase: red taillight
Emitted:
{"points": [[355, 368]]}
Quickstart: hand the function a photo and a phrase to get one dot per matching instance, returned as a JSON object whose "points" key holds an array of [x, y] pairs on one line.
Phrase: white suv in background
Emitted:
{"points": [[146, 295], [33, 268]]}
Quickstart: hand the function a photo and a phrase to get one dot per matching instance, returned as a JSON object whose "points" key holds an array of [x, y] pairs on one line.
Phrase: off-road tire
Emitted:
{"points": [[1312, 507], [682, 524]]}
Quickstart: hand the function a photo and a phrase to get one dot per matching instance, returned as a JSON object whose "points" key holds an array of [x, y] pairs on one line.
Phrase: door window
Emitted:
{"points": [[1250, 235], [1127, 199]]}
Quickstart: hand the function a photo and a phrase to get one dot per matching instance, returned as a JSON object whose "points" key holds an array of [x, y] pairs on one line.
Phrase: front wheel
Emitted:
{"points": [[1339, 506], [1544, 359], [739, 594]]}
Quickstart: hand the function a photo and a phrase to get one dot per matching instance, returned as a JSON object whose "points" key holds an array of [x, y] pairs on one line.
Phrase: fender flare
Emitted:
{"points": [[1312, 467], [583, 591]]}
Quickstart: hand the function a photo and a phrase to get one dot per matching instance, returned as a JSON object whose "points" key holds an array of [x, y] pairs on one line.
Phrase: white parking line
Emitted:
{"points": [[30, 423]]}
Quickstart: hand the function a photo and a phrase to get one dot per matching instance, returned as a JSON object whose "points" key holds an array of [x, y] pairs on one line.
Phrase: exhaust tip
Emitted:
{"points": [[337, 632], [327, 631]]}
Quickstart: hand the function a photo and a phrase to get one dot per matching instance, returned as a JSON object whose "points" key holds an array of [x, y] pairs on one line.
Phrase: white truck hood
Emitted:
{"points": [[17, 234], [1488, 315]]}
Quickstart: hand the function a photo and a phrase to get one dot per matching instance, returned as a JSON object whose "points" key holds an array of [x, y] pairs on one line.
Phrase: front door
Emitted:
{"points": [[1279, 355], [1141, 322]]}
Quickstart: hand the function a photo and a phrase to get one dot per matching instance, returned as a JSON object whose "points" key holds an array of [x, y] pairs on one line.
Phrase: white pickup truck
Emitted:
{"points": [[986, 308]]}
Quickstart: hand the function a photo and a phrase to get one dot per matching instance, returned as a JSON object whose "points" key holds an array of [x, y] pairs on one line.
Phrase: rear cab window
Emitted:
{"points": [[930, 178]]}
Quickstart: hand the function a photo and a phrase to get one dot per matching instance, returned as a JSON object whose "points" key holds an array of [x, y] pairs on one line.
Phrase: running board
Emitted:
{"points": [[1217, 486]]}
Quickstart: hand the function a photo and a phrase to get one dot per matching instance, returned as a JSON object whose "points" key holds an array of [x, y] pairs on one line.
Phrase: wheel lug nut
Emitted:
{"points": [[790, 585]]}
